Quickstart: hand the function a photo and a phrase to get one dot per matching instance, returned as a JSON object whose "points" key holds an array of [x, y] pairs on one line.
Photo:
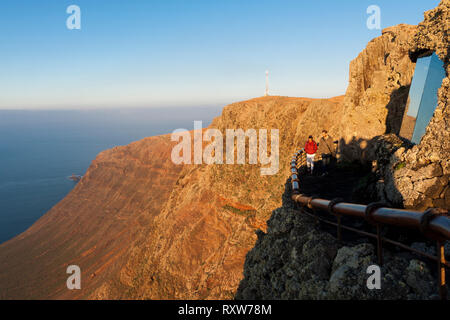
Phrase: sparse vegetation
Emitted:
{"points": [[399, 165]]}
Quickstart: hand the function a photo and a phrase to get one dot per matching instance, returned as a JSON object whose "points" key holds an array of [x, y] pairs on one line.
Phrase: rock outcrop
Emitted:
{"points": [[296, 259], [377, 92], [414, 177], [420, 175], [196, 248]]}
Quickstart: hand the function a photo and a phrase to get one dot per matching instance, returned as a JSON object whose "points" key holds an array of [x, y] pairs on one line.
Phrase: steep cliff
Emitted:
{"points": [[140, 226], [419, 177], [197, 245], [378, 88], [93, 227], [295, 259], [380, 77]]}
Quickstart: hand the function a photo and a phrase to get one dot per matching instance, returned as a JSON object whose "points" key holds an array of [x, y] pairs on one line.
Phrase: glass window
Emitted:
{"points": [[422, 100]]}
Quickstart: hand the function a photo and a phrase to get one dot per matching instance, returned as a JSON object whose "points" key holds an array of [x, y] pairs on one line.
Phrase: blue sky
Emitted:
{"points": [[138, 53]]}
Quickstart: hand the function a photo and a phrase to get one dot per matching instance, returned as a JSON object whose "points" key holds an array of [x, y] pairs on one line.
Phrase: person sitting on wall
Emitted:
{"points": [[310, 149], [327, 150]]}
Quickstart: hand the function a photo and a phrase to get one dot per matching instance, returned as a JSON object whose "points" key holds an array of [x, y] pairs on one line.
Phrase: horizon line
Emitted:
{"points": [[169, 106]]}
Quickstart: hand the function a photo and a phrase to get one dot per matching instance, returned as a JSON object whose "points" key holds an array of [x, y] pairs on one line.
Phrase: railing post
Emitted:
{"points": [[339, 229], [317, 221], [370, 208], [441, 270], [379, 246], [331, 205]]}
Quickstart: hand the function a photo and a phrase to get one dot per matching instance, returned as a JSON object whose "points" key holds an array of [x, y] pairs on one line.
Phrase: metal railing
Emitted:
{"points": [[434, 223]]}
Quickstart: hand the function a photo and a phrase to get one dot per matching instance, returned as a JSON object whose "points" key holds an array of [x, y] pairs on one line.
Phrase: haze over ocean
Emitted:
{"points": [[40, 149]]}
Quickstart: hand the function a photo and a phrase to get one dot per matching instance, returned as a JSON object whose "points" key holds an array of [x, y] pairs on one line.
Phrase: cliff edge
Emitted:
{"points": [[141, 227]]}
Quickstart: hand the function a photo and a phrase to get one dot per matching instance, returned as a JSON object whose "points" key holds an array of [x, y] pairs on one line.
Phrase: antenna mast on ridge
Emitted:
{"points": [[267, 83]]}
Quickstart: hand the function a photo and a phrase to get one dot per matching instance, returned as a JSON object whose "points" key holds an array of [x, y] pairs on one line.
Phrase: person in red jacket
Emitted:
{"points": [[310, 149]]}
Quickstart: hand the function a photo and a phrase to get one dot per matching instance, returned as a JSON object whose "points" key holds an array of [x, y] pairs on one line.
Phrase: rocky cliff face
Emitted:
{"points": [[413, 177], [378, 88], [141, 227], [197, 245], [94, 227], [419, 177], [296, 259]]}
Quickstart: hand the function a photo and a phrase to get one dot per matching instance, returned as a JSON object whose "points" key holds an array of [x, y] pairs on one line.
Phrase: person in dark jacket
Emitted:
{"points": [[327, 149], [310, 149]]}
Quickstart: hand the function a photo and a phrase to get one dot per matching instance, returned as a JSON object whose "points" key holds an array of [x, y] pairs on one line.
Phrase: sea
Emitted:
{"points": [[40, 150]]}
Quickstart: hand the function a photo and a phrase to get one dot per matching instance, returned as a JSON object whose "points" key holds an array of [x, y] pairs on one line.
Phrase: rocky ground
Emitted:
{"points": [[298, 259]]}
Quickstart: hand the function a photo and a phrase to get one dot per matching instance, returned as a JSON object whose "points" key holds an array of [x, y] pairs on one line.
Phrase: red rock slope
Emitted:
{"points": [[94, 226], [141, 227]]}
